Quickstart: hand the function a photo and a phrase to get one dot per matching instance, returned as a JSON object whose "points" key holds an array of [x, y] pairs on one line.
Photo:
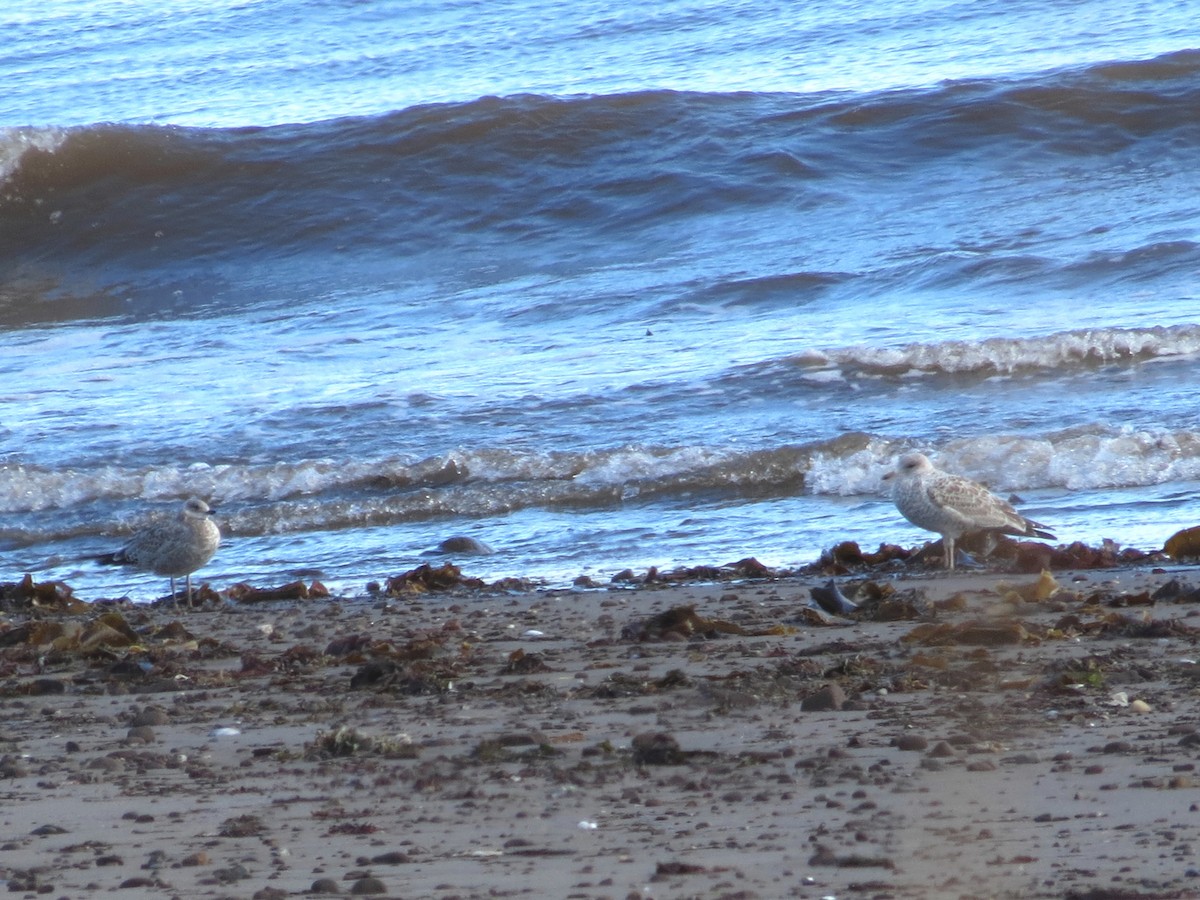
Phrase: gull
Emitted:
{"points": [[952, 505], [173, 547]]}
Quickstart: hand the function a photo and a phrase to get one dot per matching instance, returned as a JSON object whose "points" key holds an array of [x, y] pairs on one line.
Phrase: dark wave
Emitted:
{"points": [[95, 220]]}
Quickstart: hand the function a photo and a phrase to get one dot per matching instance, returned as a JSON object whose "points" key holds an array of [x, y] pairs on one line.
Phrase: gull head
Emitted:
{"points": [[910, 465], [196, 507]]}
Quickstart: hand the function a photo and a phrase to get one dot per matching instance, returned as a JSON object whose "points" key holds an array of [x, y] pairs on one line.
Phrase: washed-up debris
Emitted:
{"points": [[1038, 591], [1001, 552], [742, 569], [831, 599], [109, 630], [978, 633], [679, 623], [51, 596], [1116, 625], [657, 749], [848, 555], [828, 698], [665, 870], [242, 826], [412, 678], [826, 857], [1184, 545], [521, 663], [296, 590], [349, 741], [426, 578]]}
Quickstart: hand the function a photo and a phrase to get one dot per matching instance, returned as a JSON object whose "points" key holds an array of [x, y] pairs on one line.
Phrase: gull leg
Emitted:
{"points": [[172, 588], [189, 589], [948, 546]]}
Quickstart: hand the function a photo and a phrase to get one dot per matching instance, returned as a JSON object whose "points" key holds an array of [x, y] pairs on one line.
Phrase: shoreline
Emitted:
{"points": [[984, 735]]}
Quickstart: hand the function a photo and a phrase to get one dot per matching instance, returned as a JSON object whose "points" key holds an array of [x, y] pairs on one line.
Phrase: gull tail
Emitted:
{"points": [[1037, 529]]}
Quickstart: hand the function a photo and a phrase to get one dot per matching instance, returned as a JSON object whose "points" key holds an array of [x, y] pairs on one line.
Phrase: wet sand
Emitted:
{"points": [[956, 738]]}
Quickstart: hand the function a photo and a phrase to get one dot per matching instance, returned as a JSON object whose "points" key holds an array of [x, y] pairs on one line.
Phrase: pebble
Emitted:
{"points": [[140, 734], [368, 885], [656, 749], [12, 767], [151, 715], [829, 698]]}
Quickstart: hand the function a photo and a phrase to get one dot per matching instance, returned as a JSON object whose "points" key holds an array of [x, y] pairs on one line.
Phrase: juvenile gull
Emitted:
{"points": [[172, 547], [952, 505]]}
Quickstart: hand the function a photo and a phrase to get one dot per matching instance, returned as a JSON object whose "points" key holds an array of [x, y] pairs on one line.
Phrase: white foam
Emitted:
{"points": [[16, 142], [1007, 356], [848, 475]]}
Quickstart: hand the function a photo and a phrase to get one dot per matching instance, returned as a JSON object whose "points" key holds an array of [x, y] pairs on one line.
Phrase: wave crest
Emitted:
{"points": [[327, 495], [1007, 356]]}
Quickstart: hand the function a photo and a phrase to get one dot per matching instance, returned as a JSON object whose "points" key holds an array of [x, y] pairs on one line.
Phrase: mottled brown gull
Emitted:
{"points": [[952, 505], [172, 547]]}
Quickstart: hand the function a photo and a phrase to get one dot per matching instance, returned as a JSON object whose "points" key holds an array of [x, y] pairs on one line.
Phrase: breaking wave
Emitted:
{"points": [[1065, 350], [320, 495]]}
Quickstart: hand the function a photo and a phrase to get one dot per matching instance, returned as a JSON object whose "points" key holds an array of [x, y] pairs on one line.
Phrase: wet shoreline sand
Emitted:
{"points": [[981, 734]]}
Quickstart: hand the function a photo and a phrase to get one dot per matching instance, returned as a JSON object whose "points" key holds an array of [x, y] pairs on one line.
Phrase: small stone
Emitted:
{"points": [[140, 734], [941, 750], [107, 764], [12, 767], [656, 749], [325, 886], [41, 687], [464, 544], [368, 885], [392, 858], [1025, 759], [138, 881], [151, 715], [911, 742], [830, 697]]}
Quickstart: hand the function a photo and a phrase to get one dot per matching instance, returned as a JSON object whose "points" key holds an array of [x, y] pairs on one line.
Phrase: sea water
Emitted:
{"points": [[605, 286]]}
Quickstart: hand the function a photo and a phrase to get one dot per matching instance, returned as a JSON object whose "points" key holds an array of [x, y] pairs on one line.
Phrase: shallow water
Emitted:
{"points": [[630, 287]]}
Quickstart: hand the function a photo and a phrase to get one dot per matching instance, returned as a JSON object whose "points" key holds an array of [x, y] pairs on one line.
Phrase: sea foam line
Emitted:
{"points": [[1008, 356]]}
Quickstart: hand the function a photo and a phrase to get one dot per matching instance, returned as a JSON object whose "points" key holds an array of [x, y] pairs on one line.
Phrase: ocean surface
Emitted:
{"points": [[604, 286]]}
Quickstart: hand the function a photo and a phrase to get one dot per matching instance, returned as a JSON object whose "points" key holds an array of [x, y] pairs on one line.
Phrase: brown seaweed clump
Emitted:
{"points": [[425, 578], [27, 595], [1184, 545], [296, 590]]}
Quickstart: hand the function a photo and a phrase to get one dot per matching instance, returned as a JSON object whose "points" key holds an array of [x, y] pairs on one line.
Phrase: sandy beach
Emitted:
{"points": [[709, 733]]}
